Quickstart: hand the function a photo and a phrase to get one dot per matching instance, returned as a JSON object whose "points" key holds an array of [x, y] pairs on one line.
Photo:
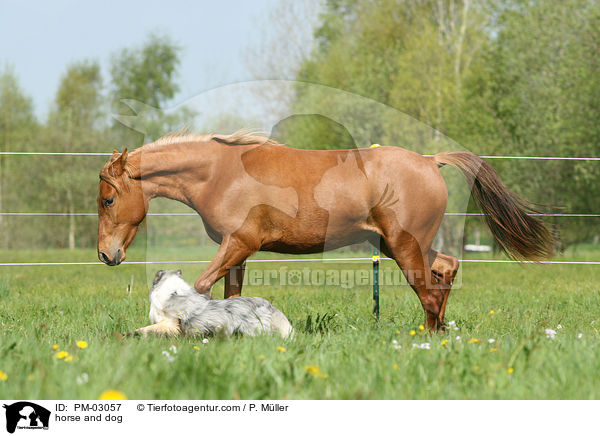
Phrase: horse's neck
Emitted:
{"points": [[172, 171]]}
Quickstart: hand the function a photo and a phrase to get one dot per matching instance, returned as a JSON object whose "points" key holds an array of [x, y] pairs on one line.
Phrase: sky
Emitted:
{"points": [[38, 39]]}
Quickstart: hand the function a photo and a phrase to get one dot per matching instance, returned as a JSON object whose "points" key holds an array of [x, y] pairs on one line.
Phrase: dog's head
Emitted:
{"points": [[162, 274]]}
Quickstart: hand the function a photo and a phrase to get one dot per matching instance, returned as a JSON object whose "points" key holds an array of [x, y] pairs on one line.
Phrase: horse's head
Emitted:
{"points": [[121, 207]]}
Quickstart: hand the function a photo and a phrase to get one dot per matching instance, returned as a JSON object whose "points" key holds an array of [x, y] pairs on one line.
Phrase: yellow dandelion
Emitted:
{"points": [[196, 347], [444, 342], [82, 344], [492, 312], [30, 377], [280, 348], [312, 370], [112, 395], [412, 333], [315, 371], [61, 354], [395, 366], [472, 341], [3, 376], [493, 350], [510, 370], [383, 342], [397, 332], [421, 327], [55, 347], [261, 357], [69, 358]]}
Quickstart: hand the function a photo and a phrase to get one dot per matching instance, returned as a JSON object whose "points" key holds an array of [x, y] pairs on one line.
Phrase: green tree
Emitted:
{"points": [[143, 85], [545, 91], [75, 124], [18, 130]]}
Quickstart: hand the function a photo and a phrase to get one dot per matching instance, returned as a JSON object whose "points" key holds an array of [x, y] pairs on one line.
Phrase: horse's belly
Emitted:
{"points": [[297, 244]]}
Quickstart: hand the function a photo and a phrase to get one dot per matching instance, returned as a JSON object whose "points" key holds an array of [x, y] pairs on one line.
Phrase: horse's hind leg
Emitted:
{"points": [[444, 269], [405, 250]]}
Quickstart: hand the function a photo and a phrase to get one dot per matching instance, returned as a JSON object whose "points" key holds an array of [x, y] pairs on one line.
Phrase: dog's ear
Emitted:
{"points": [[179, 273], [157, 276]]}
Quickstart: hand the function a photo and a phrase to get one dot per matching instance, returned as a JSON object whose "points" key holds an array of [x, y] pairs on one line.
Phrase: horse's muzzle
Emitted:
{"points": [[107, 260]]}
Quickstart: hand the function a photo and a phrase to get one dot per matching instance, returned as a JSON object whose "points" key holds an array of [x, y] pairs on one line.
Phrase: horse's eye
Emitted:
{"points": [[108, 202]]}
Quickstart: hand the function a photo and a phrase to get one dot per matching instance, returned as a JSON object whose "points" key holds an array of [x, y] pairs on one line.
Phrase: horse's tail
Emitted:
{"points": [[520, 235]]}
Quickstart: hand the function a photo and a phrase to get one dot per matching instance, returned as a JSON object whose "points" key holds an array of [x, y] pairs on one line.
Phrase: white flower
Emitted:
{"points": [[550, 333], [205, 341], [491, 340], [458, 338], [455, 328], [580, 335], [82, 379], [168, 356], [558, 327], [423, 346], [451, 323], [173, 349]]}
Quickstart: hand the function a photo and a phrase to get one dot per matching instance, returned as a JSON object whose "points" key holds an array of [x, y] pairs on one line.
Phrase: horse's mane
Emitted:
{"points": [[241, 137]]}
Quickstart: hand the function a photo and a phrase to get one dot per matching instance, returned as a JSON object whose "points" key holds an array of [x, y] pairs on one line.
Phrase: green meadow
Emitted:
{"points": [[338, 352]]}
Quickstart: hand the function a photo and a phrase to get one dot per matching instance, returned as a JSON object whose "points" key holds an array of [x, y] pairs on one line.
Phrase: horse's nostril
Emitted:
{"points": [[104, 258]]}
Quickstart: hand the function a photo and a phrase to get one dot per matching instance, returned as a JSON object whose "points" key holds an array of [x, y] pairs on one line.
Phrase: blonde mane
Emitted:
{"points": [[241, 137]]}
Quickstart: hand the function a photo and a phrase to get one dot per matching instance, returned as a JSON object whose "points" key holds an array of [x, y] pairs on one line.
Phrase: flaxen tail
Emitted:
{"points": [[520, 235]]}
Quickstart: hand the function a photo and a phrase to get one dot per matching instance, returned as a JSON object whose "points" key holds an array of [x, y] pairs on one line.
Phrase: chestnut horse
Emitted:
{"points": [[254, 194]]}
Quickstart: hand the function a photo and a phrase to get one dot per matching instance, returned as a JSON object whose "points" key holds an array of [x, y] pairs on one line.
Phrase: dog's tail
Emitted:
{"points": [[281, 324]]}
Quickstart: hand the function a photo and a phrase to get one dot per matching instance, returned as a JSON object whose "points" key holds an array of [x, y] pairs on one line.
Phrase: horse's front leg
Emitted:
{"points": [[234, 280], [231, 255]]}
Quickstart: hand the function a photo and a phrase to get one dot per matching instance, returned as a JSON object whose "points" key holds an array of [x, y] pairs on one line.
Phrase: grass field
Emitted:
{"points": [[338, 352]]}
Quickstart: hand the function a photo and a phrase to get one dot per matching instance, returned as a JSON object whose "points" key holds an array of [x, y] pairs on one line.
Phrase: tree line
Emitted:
{"points": [[78, 121]]}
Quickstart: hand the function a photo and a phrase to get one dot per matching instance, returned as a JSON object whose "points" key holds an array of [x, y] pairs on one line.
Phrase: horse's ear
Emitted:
{"points": [[115, 151], [118, 166]]}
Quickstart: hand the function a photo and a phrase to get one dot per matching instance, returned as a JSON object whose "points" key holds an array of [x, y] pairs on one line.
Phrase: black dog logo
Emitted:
{"points": [[27, 414]]}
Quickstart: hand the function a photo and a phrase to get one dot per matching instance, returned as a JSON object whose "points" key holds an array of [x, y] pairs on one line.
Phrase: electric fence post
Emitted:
{"points": [[376, 259]]}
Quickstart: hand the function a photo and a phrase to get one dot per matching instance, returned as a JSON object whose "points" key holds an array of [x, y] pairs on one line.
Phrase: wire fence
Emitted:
{"points": [[73, 153], [352, 259], [334, 259], [566, 215]]}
